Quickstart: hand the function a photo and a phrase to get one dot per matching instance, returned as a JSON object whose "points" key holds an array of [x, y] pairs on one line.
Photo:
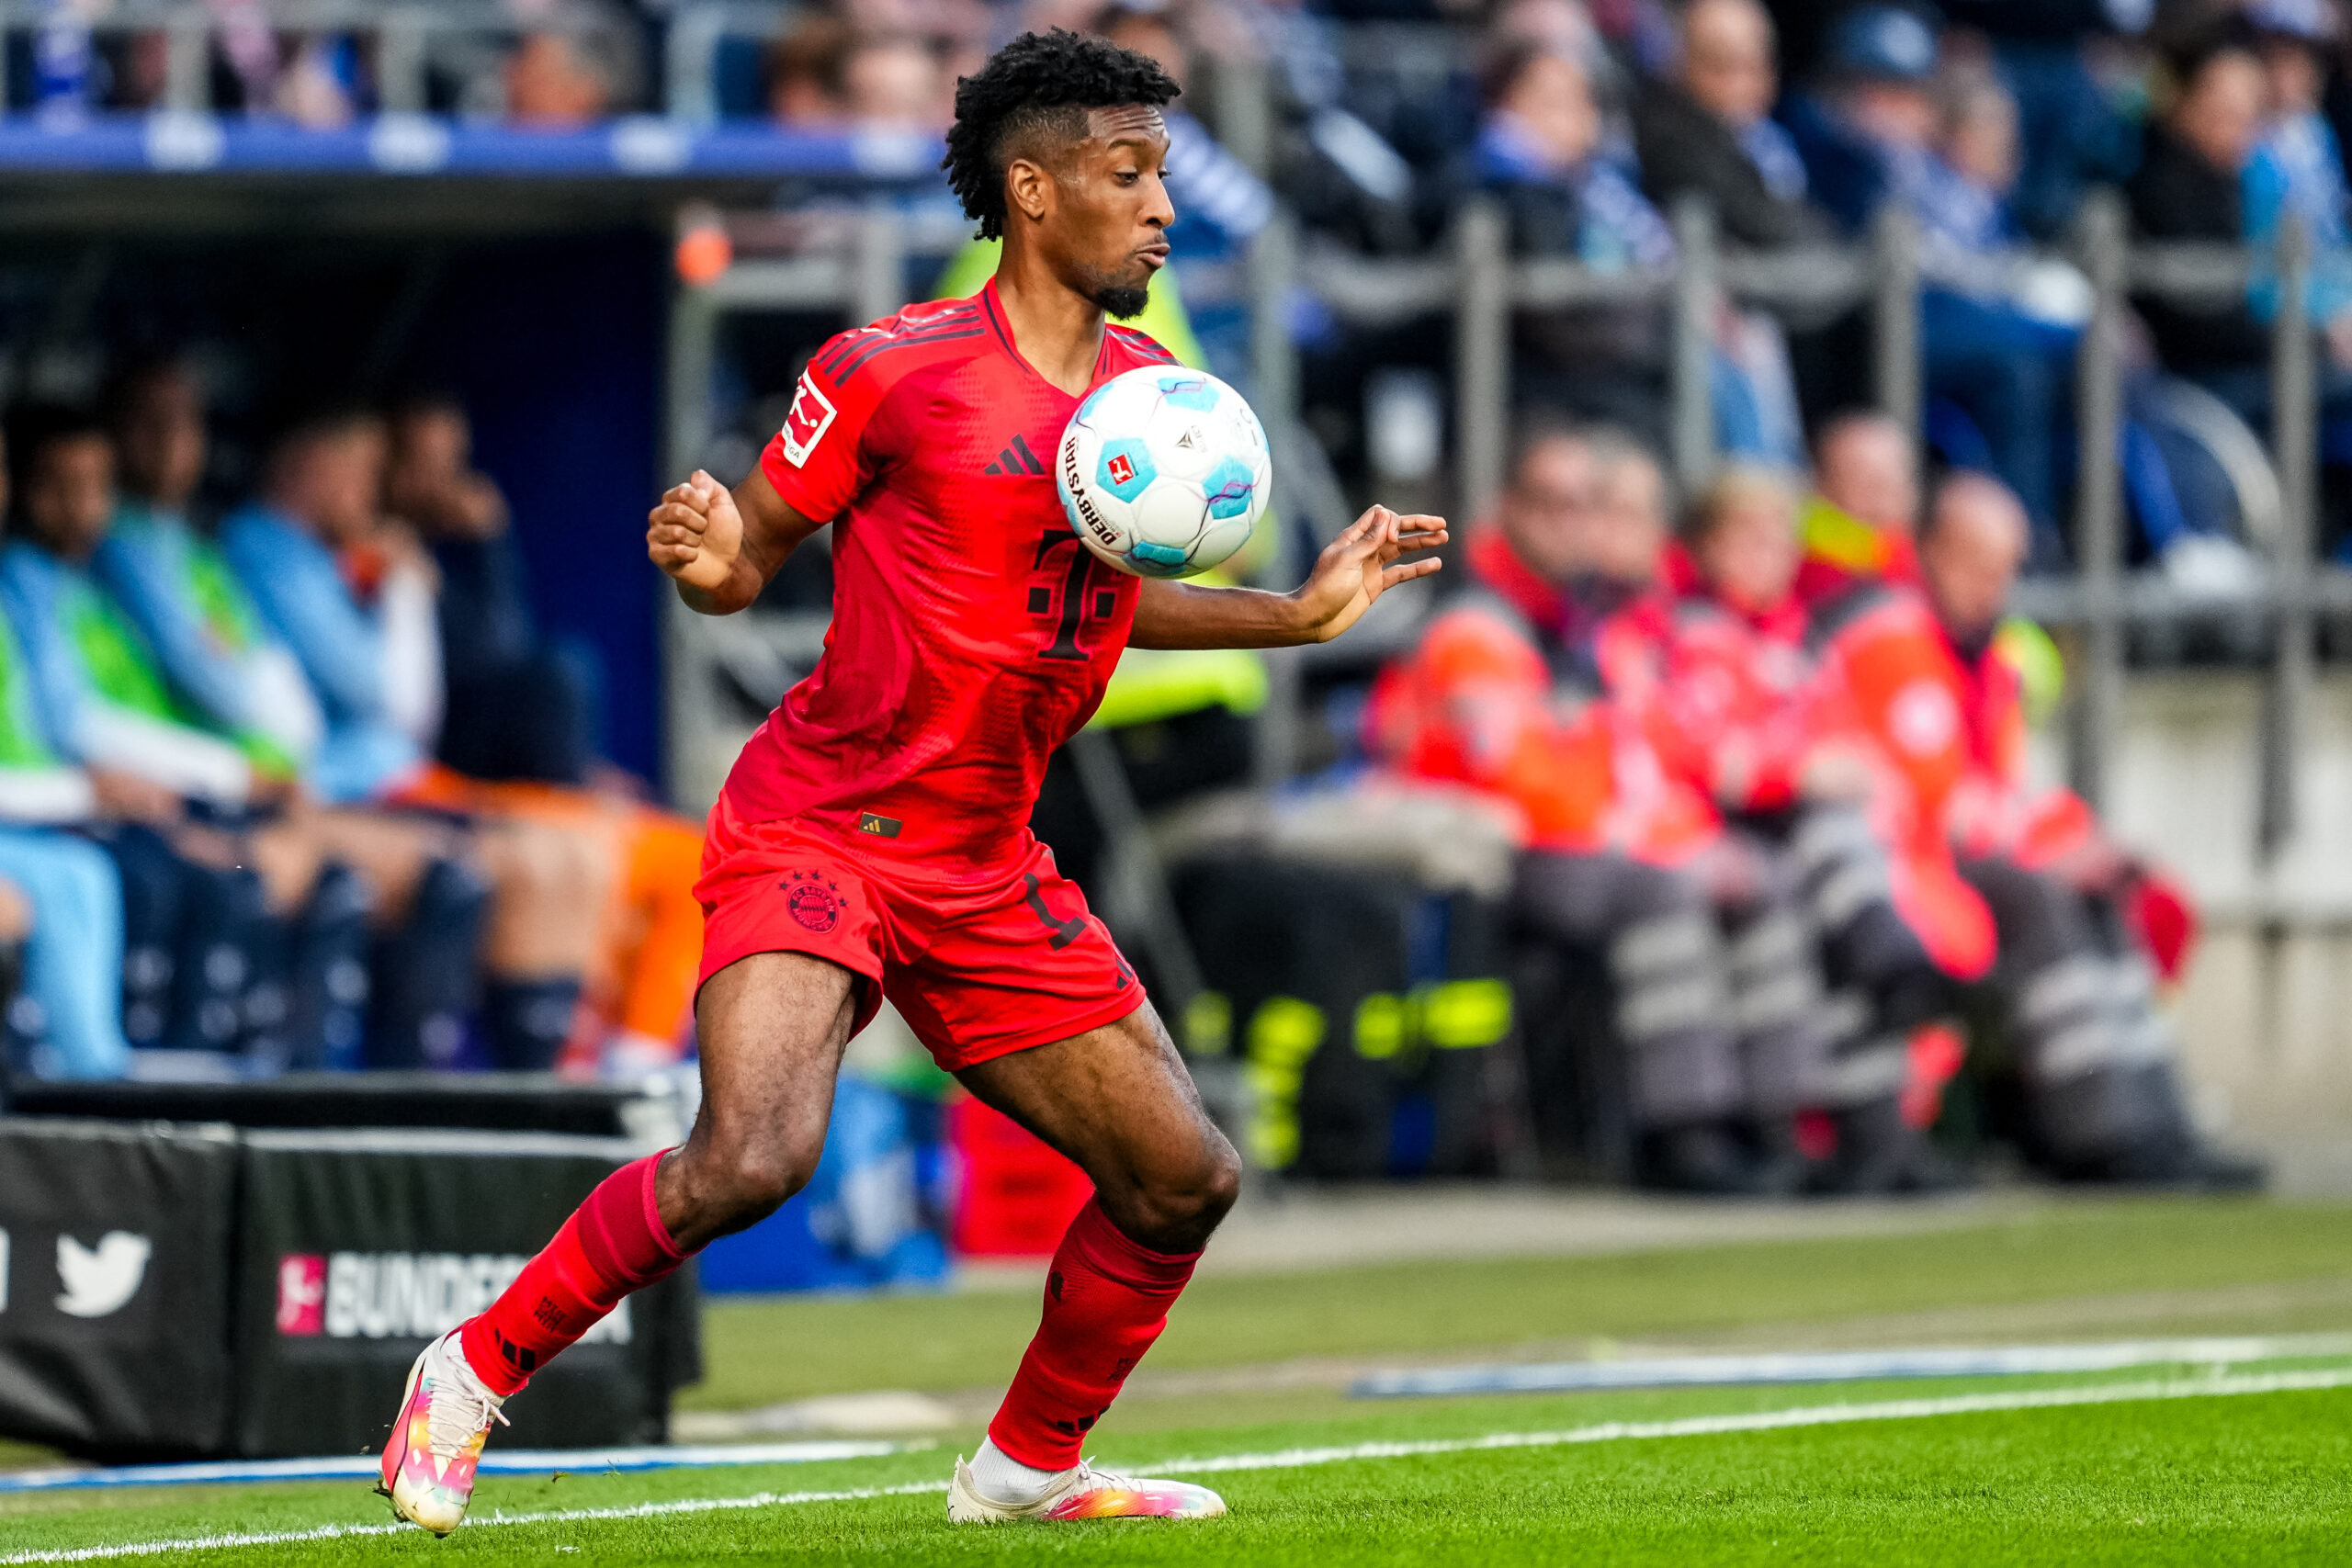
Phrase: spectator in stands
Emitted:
{"points": [[1998, 325], [517, 708], [585, 68], [2190, 186], [1867, 128], [1859, 520], [803, 73], [1874, 133], [2297, 166], [1540, 153], [890, 83], [1710, 129], [2079, 75]]}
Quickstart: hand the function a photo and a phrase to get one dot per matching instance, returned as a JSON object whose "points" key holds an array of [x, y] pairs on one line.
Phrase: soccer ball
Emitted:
{"points": [[1163, 471]]}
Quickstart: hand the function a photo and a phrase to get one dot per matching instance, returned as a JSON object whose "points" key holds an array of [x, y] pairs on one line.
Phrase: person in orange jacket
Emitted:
{"points": [[1711, 985], [2077, 918], [1741, 713]]}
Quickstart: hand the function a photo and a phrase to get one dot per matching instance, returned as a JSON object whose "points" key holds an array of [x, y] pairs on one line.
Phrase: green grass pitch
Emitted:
{"points": [[2247, 1472]]}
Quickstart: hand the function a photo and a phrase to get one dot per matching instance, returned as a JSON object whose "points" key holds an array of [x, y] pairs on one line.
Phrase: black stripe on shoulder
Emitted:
{"points": [[841, 347], [872, 352], [1143, 344], [961, 312]]}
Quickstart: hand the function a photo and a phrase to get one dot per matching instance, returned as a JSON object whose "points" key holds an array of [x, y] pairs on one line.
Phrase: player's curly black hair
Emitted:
{"points": [[1040, 82]]}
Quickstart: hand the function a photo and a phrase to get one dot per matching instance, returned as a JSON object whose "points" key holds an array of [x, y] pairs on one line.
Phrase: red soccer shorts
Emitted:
{"points": [[979, 968]]}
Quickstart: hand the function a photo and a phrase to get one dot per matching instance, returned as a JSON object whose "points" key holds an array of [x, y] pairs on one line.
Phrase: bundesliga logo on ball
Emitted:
{"points": [[1163, 471]]}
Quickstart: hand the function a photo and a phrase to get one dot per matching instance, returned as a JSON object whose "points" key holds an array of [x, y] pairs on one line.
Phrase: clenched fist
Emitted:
{"points": [[695, 533]]}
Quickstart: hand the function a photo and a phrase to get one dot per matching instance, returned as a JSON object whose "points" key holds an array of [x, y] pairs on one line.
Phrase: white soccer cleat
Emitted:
{"points": [[444, 1419], [1084, 1493]]}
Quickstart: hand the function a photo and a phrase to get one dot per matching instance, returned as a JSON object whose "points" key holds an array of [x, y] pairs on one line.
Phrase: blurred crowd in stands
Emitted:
{"points": [[1984, 120], [298, 786]]}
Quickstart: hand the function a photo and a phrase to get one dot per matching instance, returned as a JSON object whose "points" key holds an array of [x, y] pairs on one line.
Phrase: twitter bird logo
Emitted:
{"points": [[99, 1281]]}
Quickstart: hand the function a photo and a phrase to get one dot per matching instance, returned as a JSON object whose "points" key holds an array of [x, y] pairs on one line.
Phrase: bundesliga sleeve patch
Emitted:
{"points": [[805, 426]]}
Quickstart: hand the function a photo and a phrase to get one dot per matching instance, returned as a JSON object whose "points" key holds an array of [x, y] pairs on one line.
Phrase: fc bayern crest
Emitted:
{"points": [[816, 905]]}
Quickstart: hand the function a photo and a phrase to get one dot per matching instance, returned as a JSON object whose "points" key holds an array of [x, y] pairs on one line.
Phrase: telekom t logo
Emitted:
{"points": [[301, 1294]]}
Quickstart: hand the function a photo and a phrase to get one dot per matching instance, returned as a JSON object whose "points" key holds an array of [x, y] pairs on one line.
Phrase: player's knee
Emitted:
{"points": [[735, 1188], [1177, 1206]]}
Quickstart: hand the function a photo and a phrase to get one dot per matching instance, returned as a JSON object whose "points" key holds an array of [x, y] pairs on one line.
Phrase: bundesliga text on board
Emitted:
{"points": [[92, 1282], [401, 1295]]}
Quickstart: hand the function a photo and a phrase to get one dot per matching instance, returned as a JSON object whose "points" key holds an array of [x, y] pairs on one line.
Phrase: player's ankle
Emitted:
{"points": [[1004, 1479], [482, 1361]]}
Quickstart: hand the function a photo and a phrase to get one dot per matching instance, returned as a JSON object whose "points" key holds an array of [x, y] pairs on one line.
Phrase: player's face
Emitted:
{"points": [[69, 499], [1751, 554], [1109, 223]]}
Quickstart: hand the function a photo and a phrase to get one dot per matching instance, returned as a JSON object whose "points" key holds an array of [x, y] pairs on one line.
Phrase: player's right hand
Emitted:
{"points": [[695, 533]]}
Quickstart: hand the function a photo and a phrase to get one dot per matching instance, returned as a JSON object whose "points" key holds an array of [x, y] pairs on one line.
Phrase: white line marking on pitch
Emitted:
{"points": [[511, 1462], [1295, 1459]]}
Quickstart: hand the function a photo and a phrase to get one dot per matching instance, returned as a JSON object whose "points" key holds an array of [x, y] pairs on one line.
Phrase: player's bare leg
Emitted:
{"points": [[1117, 1101], [773, 1027]]}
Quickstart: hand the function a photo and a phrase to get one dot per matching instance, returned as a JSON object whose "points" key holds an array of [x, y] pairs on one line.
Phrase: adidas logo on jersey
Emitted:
{"points": [[1015, 459]]}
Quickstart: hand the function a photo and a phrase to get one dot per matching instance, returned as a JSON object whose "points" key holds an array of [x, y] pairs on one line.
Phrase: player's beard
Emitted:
{"points": [[1120, 299], [1122, 303]]}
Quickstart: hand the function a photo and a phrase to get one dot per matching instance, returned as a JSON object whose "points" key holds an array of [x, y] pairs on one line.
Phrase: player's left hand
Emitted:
{"points": [[1363, 563]]}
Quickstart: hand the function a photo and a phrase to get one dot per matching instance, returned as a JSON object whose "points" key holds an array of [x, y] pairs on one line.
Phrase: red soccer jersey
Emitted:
{"points": [[972, 633]]}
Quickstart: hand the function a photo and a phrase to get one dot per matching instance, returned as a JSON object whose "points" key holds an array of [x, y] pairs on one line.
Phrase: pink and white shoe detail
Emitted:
{"points": [[446, 1417], [1084, 1493]]}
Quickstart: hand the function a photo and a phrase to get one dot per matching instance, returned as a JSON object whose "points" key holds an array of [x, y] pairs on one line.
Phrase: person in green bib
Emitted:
{"points": [[248, 942], [443, 890], [64, 1017]]}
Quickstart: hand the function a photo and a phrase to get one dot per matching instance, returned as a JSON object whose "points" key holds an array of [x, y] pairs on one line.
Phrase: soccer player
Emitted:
{"points": [[873, 838]]}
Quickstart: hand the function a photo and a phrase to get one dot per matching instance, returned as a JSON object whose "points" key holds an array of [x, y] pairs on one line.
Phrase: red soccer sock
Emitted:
{"points": [[1106, 1300], [612, 1244]]}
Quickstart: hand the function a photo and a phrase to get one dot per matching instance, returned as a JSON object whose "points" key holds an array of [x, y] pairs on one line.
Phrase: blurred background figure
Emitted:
{"points": [[1867, 125], [516, 708], [1859, 520], [891, 82], [2191, 186], [1709, 128], [585, 67], [804, 72]]}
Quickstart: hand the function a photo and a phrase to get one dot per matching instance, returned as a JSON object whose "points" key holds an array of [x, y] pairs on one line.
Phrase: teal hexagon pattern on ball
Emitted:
{"points": [[1163, 471]]}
